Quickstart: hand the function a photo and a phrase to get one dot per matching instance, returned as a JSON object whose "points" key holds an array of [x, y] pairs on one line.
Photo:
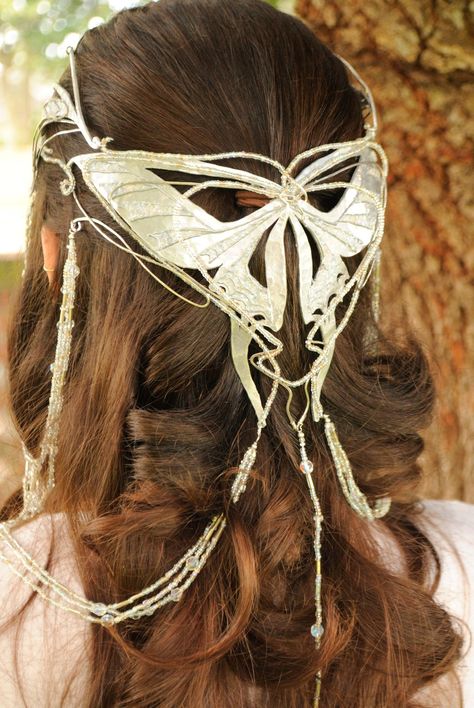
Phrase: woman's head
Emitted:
{"points": [[155, 418], [153, 81]]}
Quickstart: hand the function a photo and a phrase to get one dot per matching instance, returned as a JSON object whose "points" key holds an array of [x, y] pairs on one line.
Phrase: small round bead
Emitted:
{"points": [[107, 618], [192, 562], [306, 466], [317, 630]]}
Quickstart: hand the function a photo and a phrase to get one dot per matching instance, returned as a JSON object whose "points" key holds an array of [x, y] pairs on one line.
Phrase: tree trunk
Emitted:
{"points": [[418, 58]]}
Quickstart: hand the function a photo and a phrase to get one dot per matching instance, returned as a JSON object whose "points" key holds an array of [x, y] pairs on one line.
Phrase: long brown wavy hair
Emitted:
{"points": [[156, 420]]}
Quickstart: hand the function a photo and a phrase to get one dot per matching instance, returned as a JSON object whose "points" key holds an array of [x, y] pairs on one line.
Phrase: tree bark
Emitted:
{"points": [[418, 59]]}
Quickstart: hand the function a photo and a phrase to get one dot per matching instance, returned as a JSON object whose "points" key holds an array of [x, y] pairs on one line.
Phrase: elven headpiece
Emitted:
{"points": [[181, 237]]}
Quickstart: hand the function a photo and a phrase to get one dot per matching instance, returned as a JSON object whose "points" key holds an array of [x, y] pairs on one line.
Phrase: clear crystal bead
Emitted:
{"points": [[317, 630], [107, 617], [306, 466], [55, 108], [175, 594], [192, 562], [99, 609]]}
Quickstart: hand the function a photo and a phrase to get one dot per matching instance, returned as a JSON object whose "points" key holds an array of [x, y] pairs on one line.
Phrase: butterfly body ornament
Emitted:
{"points": [[182, 237]]}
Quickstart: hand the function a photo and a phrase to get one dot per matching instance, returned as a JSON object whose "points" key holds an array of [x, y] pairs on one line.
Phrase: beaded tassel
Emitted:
{"points": [[356, 499], [28, 226], [170, 587], [35, 490], [317, 629], [248, 460], [376, 285]]}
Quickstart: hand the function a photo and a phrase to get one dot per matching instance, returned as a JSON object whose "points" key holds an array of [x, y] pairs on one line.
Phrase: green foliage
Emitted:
{"points": [[32, 30], [10, 273]]}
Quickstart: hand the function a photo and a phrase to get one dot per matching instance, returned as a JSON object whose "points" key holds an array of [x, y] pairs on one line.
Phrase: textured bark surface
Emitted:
{"points": [[418, 58]]}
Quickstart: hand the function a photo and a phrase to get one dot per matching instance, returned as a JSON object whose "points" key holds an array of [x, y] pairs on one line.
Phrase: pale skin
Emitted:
{"points": [[50, 244]]}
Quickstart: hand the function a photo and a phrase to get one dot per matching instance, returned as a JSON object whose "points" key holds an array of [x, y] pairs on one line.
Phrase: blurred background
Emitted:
{"points": [[418, 58]]}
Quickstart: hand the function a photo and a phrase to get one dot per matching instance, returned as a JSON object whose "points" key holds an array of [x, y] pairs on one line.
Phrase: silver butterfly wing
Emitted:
{"points": [[353, 224], [345, 230], [173, 229]]}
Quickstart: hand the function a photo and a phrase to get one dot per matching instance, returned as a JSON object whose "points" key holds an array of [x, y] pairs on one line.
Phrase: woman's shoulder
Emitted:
{"points": [[449, 525], [43, 634], [37, 537], [450, 519], [451, 512]]}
